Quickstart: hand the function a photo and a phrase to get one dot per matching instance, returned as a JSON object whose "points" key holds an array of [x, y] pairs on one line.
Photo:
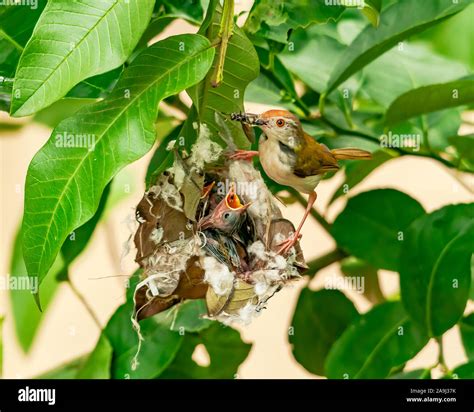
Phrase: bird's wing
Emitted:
{"points": [[313, 158]]}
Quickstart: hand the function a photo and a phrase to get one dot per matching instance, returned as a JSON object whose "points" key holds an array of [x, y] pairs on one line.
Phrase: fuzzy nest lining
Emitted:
{"points": [[235, 273]]}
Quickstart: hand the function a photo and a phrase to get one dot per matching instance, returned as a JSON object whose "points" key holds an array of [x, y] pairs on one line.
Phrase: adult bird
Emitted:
{"points": [[292, 158]]}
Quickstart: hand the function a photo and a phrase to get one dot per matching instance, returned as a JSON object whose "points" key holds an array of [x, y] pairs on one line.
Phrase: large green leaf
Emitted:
{"points": [[274, 19], [158, 349], [319, 319], [97, 364], [375, 343], [434, 97], [312, 55], [405, 68], [27, 317], [240, 68], [465, 371], [466, 326], [224, 346], [399, 21], [372, 226], [82, 38], [16, 26], [64, 184], [435, 267]]}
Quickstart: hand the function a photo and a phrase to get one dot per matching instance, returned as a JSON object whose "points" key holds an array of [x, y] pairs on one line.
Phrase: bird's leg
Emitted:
{"points": [[287, 244], [242, 155]]}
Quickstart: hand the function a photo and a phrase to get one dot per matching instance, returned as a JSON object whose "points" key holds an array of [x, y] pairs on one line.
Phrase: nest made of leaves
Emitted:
{"points": [[235, 273]]}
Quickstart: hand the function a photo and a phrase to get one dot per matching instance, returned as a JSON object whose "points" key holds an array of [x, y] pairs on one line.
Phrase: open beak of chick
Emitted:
{"points": [[227, 215]]}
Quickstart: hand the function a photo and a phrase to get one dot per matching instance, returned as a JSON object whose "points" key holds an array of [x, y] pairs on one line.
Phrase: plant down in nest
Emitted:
{"points": [[209, 228]]}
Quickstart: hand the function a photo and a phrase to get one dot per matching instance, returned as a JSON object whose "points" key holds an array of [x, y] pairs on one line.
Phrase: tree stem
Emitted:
{"points": [[441, 360], [81, 297], [325, 260], [225, 33]]}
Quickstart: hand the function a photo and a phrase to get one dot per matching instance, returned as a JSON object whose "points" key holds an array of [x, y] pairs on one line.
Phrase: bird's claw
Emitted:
{"points": [[287, 244], [246, 155]]}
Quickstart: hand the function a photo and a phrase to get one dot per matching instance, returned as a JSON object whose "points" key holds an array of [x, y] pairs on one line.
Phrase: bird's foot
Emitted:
{"points": [[287, 244], [247, 155]]}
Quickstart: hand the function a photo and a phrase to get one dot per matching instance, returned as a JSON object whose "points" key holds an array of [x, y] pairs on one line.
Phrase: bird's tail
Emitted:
{"points": [[343, 154]]}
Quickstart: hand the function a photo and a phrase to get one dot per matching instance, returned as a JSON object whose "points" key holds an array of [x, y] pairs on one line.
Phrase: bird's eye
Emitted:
{"points": [[226, 215], [280, 122]]}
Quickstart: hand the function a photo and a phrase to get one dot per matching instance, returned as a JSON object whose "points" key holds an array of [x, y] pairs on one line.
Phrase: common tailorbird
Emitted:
{"points": [[291, 157]]}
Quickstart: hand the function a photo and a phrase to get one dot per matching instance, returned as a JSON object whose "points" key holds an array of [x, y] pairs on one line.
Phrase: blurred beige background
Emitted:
{"points": [[67, 329]]}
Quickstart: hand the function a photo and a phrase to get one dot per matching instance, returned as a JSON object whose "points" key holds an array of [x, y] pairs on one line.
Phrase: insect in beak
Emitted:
{"points": [[248, 118]]}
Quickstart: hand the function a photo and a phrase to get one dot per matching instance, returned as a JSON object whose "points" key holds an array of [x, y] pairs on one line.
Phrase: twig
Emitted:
{"points": [[85, 303], [325, 260], [225, 33], [441, 360]]}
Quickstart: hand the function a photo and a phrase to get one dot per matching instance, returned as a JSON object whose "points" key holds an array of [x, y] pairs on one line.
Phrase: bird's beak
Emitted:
{"points": [[206, 222]]}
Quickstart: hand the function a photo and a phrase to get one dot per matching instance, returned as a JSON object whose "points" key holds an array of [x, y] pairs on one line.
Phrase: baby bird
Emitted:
{"points": [[293, 158]]}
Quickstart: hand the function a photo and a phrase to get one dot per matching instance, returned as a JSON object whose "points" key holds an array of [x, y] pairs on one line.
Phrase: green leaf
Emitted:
{"points": [[240, 68], [224, 347], [27, 317], [319, 319], [97, 364], [97, 86], [312, 56], [100, 33], [77, 241], [399, 21], [435, 267], [16, 26], [407, 67], [371, 10], [434, 97], [66, 371], [466, 327], [464, 145], [414, 374], [52, 115], [356, 172], [372, 224], [189, 317], [274, 19], [378, 341], [158, 349], [64, 184], [263, 90], [465, 371], [190, 10]]}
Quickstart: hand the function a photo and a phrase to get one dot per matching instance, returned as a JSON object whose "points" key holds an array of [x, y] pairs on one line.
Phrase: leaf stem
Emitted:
{"points": [[321, 262], [441, 360], [11, 40], [225, 33], [81, 297]]}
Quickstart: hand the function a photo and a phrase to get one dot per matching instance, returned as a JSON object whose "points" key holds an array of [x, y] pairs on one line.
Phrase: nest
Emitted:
{"points": [[235, 268]]}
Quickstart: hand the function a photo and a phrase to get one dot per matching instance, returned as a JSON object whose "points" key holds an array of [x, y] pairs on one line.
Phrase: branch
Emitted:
{"points": [[225, 33], [85, 303], [325, 260]]}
